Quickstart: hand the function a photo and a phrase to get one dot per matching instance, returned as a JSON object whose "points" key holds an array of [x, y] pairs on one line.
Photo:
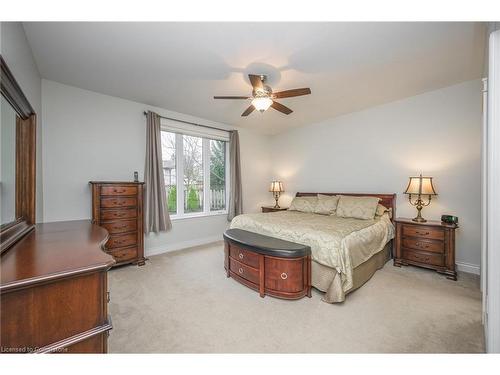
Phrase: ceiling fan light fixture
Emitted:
{"points": [[261, 104]]}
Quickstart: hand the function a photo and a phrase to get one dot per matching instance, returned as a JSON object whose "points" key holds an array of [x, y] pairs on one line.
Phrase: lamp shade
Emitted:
{"points": [[276, 187], [420, 185]]}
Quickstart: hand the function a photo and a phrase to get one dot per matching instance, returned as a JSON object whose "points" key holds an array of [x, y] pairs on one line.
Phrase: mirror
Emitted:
{"points": [[17, 161], [7, 162]]}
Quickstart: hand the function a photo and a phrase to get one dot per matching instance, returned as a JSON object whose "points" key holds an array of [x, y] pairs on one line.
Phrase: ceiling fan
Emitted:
{"points": [[263, 96]]}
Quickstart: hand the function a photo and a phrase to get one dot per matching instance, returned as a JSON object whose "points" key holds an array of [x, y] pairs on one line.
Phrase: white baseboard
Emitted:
{"points": [[468, 267], [181, 245]]}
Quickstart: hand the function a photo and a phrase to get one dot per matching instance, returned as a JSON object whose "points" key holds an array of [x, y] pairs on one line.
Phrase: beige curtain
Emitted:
{"points": [[235, 206], [155, 208]]}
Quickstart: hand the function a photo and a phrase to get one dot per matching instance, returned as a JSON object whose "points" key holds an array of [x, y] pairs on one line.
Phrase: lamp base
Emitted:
{"points": [[276, 198], [419, 219]]}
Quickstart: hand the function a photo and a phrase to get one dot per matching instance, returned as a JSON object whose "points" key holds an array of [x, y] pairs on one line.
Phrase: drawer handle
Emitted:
{"points": [[284, 276], [421, 245], [422, 233], [240, 256], [240, 270], [118, 190]]}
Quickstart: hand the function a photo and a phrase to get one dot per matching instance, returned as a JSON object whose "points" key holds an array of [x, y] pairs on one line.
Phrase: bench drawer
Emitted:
{"points": [[244, 256], [244, 271], [284, 275]]}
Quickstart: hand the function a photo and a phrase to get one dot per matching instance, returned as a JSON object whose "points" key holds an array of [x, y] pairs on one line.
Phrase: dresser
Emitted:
{"points": [[430, 245], [54, 293], [118, 207]]}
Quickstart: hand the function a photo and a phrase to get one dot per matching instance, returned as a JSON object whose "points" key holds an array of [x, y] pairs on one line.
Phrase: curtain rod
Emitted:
{"points": [[191, 123]]}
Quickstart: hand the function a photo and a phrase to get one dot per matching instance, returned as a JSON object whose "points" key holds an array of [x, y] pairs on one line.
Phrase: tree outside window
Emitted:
{"points": [[202, 165]]}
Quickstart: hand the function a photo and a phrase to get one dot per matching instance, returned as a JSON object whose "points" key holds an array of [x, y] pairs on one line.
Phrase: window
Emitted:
{"points": [[169, 171], [193, 173], [195, 167]]}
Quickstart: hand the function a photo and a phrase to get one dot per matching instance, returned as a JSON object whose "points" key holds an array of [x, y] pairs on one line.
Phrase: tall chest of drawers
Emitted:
{"points": [[118, 207], [430, 245]]}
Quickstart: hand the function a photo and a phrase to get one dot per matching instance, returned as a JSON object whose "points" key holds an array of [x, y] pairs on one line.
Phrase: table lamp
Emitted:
{"points": [[276, 188], [420, 186]]}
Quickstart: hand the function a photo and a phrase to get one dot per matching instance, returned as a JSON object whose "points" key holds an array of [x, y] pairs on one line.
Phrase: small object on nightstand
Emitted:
{"points": [[136, 176], [449, 219], [430, 245], [273, 209], [276, 188]]}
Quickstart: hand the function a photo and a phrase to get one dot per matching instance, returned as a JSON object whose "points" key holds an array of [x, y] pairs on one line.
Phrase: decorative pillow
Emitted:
{"points": [[382, 210], [357, 207], [327, 204], [304, 204]]}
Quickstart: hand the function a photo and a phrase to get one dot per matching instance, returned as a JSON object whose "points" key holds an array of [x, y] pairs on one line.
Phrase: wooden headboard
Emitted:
{"points": [[387, 200]]}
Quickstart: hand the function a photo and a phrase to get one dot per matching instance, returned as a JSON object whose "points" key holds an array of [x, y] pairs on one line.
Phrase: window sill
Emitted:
{"points": [[197, 215]]}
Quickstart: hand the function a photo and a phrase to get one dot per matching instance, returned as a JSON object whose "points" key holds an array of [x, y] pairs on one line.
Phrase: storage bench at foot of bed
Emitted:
{"points": [[268, 265]]}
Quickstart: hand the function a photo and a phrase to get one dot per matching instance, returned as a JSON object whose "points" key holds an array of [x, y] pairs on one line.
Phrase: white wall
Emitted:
{"points": [[17, 54], [437, 133], [91, 136]]}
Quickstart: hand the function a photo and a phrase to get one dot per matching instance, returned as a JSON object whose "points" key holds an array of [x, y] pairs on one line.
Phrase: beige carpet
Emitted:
{"points": [[182, 302]]}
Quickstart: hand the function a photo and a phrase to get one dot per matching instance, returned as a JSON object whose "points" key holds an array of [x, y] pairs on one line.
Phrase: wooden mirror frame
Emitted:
{"points": [[12, 232]]}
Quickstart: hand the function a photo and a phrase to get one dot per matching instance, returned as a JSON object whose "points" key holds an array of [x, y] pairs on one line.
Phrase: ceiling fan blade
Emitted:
{"points": [[291, 93], [231, 97], [255, 81], [280, 107], [248, 110]]}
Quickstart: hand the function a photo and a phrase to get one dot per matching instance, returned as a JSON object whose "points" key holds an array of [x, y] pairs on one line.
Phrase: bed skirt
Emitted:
{"points": [[327, 279]]}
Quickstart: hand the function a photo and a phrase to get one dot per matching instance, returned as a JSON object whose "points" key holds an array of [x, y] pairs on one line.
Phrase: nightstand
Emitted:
{"points": [[273, 209], [430, 245]]}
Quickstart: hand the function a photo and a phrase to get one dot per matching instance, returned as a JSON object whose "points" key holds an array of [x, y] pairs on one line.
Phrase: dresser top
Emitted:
{"points": [[431, 223], [53, 251]]}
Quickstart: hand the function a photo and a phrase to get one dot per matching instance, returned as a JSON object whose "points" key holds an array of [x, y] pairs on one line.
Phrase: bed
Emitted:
{"points": [[346, 252]]}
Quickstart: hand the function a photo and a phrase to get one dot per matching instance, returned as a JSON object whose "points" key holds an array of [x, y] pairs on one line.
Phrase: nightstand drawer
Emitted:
{"points": [[423, 257], [423, 232], [425, 245]]}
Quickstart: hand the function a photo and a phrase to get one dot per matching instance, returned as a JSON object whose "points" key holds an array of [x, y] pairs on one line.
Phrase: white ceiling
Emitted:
{"points": [[181, 66]]}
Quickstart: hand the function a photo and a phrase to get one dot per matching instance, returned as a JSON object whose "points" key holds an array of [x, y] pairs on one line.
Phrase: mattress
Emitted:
{"points": [[338, 243]]}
